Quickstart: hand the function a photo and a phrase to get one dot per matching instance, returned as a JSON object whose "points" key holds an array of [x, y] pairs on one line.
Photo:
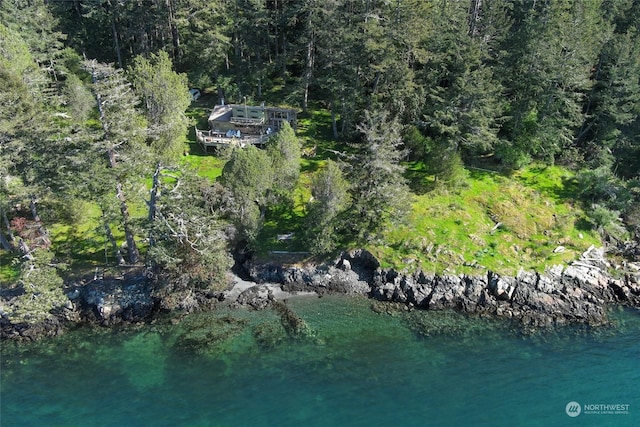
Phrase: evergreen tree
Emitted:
{"points": [[204, 37], [248, 177], [121, 142], [284, 151], [37, 27], [31, 150], [189, 241], [394, 35], [78, 99], [253, 55], [462, 111], [42, 289], [609, 132], [165, 95], [339, 62], [17, 95], [330, 199], [552, 49], [378, 191]]}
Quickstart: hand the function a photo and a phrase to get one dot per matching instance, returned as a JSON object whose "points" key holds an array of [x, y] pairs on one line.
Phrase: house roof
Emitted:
{"points": [[221, 113]]}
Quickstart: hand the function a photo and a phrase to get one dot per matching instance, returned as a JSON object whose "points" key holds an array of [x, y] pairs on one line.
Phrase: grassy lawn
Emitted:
{"points": [[495, 222], [205, 164]]}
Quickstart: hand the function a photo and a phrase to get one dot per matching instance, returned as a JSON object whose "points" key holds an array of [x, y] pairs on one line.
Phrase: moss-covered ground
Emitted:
{"points": [[493, 221]]}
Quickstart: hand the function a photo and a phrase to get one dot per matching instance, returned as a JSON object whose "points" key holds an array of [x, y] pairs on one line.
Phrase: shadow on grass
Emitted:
{"points": [[80, 250], [195, 149], [310, 165], [419, 181], [280, 221], [315, 125], [480, 174], [583, 224]]}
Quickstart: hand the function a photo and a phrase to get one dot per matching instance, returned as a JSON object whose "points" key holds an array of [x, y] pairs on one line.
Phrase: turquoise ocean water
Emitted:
{"points": [[357, 368]]}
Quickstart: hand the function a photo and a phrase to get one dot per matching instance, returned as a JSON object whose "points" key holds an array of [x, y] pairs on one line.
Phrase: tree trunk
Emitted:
{"points": [[132, 249], [153, 200], [112, 240], [586, 124], [4, 242], [334, 124], [376, 82], [43, 235], [9, 237], [284, 56], [116, 43], [309, 72], [175, 34], [260, 65], [474, 17], [34, 209], [26, 252]]}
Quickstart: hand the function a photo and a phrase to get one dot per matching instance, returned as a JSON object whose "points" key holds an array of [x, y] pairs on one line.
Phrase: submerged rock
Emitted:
{"points": [[30, 332], [294, 325]]}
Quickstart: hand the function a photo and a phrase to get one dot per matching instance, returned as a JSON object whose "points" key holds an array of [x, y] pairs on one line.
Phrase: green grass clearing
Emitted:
{"points": [[495, 223]]}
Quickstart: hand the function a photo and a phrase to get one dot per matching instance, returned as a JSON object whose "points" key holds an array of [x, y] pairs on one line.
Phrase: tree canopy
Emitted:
{"points": [[518, 80]]}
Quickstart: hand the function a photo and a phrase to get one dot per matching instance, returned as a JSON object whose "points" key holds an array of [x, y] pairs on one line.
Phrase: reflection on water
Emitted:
{"points": [[357, 367]]}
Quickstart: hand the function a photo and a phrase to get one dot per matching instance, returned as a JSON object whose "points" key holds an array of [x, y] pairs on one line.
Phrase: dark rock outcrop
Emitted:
{"points": [[349, 275], [116, 301], [577, 293], [257, 297], [30, 332]]}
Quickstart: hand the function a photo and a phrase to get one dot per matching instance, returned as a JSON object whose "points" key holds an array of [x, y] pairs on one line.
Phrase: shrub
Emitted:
{"points": [[42, 290]]}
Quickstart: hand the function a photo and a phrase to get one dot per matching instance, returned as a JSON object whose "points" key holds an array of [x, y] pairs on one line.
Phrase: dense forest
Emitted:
{"points": [[94, 95]]}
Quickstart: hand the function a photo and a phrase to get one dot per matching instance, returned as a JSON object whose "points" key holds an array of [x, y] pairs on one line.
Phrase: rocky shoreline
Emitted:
{"points": [[577, 293], [580, 293]]}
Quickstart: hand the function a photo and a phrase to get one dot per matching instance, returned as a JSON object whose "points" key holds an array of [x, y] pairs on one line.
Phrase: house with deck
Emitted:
{"points": [[242, 125]]}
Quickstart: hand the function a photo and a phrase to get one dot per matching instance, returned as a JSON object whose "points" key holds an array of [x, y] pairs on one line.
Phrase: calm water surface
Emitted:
{"points": [[358, 368]]}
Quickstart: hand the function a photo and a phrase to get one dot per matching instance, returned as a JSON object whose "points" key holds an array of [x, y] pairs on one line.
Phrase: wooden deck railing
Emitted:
{"points": [[209, 138]]}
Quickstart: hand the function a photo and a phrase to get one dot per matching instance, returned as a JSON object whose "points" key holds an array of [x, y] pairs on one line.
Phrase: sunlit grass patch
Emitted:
{"points": [[554, 182], [9, 270], [493, 222], [206, 166], [82, 244]]}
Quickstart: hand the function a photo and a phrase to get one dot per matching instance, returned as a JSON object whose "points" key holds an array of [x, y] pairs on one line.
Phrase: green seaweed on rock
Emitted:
{"points": [[294, 325], [203, 333], [448, 323], [268, 335]]}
